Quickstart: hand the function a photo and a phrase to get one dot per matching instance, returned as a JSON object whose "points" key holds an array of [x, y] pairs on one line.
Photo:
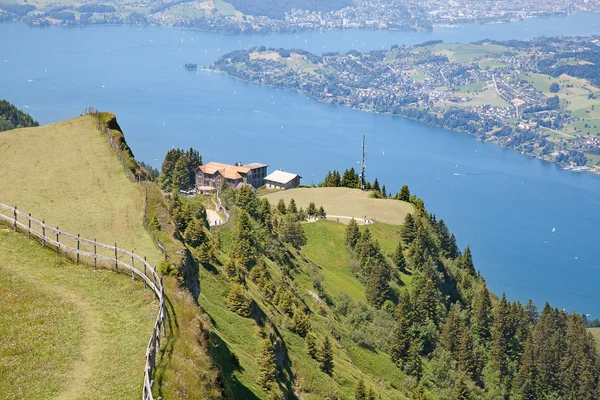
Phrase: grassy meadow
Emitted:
{"points": [[67, 174], [67, 331], [346, 202]]}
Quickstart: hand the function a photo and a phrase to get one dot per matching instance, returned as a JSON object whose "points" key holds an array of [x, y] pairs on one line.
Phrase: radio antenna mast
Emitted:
{"points": [[363, 166]]}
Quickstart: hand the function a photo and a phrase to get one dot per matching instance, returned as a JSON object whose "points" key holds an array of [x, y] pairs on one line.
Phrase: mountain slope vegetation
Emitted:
{"points": [[12, 118]]}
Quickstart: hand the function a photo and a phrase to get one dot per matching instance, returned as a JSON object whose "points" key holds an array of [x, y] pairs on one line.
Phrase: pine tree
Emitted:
{"points": [[499, 345], [361, 391], [481, 314], [408, 230], [452, 330], [243, 246], [414, 364], [466, 261], [237, 300], [301, 323], [195, 234], [404, 194], [292, 209], [168, 165], [375, 186], [398, 258], [181, 176], [378, 287], [467, 363], [579, 364], [337, 179], [194, 161], [352, 234], [401, 336], [290, 231], [266, 216], [311, 210], [281, 206], [321, 212], [526, 381], [326, 357], [461, 389], [311, 345], [267, 369]]}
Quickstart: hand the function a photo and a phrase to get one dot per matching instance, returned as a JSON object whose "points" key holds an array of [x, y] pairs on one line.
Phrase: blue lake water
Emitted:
{"points": [[503, 204]]}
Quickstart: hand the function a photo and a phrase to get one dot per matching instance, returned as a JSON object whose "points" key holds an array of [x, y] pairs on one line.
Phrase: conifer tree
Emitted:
{"points": [[414, 363], [526, 381], [408, 231], [352, 234], [281, 206], [243, 250], [195, 233], [301, 323], [361, 391], [383, 192], [311, 210], [237, 300], [481, 313], [375, 186], [266, 216], [452, 330], [404, 194], [267, 369], [321, 212], [326, 357], [579, 364], [499, 345], [292, 208], [466, 261], [398, 258], [194, 161], [378, 287], [461, 389], [168, 165], [181, 175], [467, 362], [401, 336], [337, 179], [311, 345], [291, 231]]}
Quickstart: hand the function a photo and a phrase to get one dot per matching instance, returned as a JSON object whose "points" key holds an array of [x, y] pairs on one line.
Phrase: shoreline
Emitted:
{"points": [[575, 169]]}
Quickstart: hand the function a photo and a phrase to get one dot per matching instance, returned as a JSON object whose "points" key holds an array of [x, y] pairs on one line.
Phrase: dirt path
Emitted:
{"points": [[214, 219]]}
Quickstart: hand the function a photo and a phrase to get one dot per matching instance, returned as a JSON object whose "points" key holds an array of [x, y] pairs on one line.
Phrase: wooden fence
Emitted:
{"points": [[107, 256]]}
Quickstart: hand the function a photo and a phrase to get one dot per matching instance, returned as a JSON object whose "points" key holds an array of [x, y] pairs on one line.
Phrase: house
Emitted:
{"points": [[282, 180], [214, 173]]}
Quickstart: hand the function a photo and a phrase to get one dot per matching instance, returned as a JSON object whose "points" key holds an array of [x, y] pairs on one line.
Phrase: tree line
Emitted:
{"points": [[11, 117]]}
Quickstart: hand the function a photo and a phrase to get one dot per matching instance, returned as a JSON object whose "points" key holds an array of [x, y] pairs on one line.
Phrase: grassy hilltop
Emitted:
{"points": [[67, 174]]}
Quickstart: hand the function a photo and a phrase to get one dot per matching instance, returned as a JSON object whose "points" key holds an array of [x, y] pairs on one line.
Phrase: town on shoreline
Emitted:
{"points": [[237, 16], [540, 97]]}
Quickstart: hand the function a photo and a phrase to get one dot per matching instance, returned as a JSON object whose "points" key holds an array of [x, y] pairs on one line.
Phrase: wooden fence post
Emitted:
{"points": [[132, 264], [116, 262], [44, 233], [57, 241], [78, 248], [29, 229], [145, 274], [95, 259], [15, 222]]}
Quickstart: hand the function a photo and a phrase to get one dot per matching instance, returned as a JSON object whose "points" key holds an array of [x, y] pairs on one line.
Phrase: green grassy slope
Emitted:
{"points": [[67, 174], [66, 331], [238, 338]]}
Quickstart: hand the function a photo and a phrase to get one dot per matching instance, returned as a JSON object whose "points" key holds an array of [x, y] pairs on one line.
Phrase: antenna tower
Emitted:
{"points": [[363, 166]]}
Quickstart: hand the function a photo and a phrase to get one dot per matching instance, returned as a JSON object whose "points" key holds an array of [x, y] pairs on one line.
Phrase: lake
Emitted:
{"points": [[503, 204]]}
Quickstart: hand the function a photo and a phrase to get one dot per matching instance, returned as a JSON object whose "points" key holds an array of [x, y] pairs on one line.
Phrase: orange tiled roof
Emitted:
{"points": [[228, 171]]}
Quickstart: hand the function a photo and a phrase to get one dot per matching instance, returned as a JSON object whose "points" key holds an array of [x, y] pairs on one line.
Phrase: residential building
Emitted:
{"points": [[282, 180], [214, 173]]}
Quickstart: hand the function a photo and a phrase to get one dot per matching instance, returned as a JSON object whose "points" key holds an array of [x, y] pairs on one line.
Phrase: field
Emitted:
{"points": [[596, 333], [66, 331], [66, 174], [467, 52], [346, 202]]}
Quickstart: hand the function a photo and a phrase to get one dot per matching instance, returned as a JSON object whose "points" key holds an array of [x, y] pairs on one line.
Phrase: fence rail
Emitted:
{"points": [[109, 255]]}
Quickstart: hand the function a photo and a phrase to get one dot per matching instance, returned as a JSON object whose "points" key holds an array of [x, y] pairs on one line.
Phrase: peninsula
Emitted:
{"points": [[538, 97]]}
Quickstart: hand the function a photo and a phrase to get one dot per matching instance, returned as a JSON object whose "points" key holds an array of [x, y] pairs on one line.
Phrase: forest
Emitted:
{"points": [[12, 118]]}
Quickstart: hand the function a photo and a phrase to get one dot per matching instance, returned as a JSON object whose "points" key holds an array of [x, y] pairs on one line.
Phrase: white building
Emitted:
{"points": [[282, 180]]}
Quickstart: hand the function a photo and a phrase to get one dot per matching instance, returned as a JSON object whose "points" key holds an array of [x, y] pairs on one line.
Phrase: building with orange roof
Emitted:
{"points": [[214, 173]]}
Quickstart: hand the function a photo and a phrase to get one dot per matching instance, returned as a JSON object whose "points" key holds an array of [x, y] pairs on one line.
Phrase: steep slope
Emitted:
{"points": [[67, 174]]}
